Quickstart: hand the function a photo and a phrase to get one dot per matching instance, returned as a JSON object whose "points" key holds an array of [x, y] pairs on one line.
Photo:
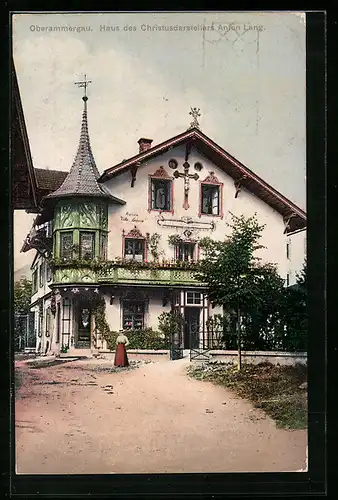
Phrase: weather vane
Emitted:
{"points": [[84, 84], [195, 113]]}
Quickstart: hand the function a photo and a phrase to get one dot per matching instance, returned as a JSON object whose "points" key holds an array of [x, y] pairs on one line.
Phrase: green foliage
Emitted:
{"points": [[274, 389], [174, 239], [153, 242], [145, 338], [169, 322], [104, 266], [234, 275], [101, 325], [22, 296], [220, 335], [272, 316]]}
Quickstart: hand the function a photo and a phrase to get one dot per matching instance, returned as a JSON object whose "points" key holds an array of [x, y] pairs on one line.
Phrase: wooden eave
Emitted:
{"points": [[24, 181], [294, 217]]}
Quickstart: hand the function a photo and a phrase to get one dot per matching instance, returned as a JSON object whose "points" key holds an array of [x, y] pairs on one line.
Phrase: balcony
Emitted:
{"points": [[160, 276], [114, 273]]}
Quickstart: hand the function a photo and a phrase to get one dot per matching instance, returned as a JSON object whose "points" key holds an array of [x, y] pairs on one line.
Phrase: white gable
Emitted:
{"points": [[136, 211]]}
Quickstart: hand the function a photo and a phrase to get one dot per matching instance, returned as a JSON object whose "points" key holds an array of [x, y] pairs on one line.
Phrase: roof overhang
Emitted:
{"points": [[24, 193], [294, 217]]}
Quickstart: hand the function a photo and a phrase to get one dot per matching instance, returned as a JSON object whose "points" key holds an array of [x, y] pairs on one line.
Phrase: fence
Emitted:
{"points": [[24, 333]]}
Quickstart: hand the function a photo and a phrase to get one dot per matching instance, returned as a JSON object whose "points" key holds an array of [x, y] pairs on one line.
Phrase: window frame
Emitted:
{"points": [[66, 306], [103, 245], [134, 241], [93, 235], [62, 234], [211, 181], [194, 302], [129, 303], [194, 250], [35, 281], [41, 274], [161, 175]]}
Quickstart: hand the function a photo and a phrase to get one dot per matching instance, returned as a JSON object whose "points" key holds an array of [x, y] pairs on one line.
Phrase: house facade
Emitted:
{"points": [[131, 236]]}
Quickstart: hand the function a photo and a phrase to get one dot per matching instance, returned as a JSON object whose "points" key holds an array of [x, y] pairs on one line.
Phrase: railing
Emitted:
{"points": [[125, 275], [159, 276]]}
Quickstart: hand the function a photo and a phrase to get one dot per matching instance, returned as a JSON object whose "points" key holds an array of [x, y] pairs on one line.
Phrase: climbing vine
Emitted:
{"points": [[153, 242], [174, 239], [101, 325]]}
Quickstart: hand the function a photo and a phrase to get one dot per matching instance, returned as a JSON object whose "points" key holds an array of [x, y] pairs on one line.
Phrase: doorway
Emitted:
{"points": [[83, 322], [191, 327]]}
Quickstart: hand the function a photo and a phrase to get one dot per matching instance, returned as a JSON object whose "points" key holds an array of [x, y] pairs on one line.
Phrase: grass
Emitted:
{"points": [[274, 389]]}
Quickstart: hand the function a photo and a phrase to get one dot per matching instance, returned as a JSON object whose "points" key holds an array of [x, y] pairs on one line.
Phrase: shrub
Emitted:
{"points": [[145, 338]]}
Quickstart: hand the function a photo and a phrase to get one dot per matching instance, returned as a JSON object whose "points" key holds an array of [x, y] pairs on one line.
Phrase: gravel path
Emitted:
{"points": [[79, 418]]}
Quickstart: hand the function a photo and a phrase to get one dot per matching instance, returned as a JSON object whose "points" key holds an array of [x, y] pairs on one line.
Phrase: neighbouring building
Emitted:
{"points": [[131, 236]]}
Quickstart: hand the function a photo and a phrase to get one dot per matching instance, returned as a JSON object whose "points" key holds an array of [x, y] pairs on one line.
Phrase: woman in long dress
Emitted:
{"points": [[121, 358]]}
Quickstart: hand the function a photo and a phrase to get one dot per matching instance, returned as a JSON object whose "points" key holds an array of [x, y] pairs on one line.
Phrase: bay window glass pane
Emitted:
{"points": [[87, 245], [66, 243]]}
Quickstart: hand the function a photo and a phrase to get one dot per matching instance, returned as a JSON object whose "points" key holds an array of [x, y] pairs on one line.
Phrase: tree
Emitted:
{"points": [[22, 296], [235, 277], [293, 312]]}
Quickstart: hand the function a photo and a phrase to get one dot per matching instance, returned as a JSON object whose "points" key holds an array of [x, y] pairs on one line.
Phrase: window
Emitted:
{"points": [[288, 279], [58, 321], [35, 281], [210, 202], [288, 250], [185, 251], [134, 249], [160, 194], [87, 240], [133, 315], [48, 272], [66, 244], [103, 246], [41, 274], [194, 298], [66, 317]]}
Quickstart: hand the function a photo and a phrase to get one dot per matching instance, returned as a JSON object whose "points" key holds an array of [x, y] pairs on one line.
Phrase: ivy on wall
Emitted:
{"points": [[105, 266]]}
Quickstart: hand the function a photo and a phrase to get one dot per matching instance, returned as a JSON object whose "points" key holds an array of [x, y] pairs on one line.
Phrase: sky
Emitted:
{"points": [[245, 71]]}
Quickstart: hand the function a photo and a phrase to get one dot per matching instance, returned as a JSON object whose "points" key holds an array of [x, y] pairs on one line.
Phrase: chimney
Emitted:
{"points": [[144, 144]]}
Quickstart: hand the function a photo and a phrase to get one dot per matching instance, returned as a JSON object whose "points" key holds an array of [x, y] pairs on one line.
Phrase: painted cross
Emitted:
{"points": [[186, 176], [83, 84]]}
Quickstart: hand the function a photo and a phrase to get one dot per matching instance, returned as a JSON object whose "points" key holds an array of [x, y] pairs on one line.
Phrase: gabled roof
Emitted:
{"points": [[83, 175], [295, 218]]}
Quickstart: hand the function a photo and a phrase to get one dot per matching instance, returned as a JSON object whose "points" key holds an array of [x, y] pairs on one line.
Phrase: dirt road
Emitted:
{"points": [[74, 419]]}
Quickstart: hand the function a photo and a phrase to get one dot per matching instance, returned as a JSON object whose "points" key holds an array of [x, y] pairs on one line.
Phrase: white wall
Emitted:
{"points": [[297, 254], [135, 212]]}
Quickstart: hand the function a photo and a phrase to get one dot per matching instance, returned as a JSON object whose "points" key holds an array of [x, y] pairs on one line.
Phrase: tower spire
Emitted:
{"points": [[83, 175]]}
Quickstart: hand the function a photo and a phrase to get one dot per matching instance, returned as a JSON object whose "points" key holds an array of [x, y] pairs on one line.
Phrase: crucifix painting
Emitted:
{"points": [[186, 176]]}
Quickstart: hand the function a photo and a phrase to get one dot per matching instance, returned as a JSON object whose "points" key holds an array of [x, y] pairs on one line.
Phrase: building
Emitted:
{"points": [[131, 236]]}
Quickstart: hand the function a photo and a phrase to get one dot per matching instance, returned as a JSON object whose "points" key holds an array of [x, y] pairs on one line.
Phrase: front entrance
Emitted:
{"points": [[83, 322], [191, 327]]}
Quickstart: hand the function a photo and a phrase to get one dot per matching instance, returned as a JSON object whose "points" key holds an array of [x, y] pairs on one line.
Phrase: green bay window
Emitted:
{"points": [[103, 246]]}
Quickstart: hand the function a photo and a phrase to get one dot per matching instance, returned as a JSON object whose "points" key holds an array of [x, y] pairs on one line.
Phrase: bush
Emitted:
{"points": [[145, 338]]}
